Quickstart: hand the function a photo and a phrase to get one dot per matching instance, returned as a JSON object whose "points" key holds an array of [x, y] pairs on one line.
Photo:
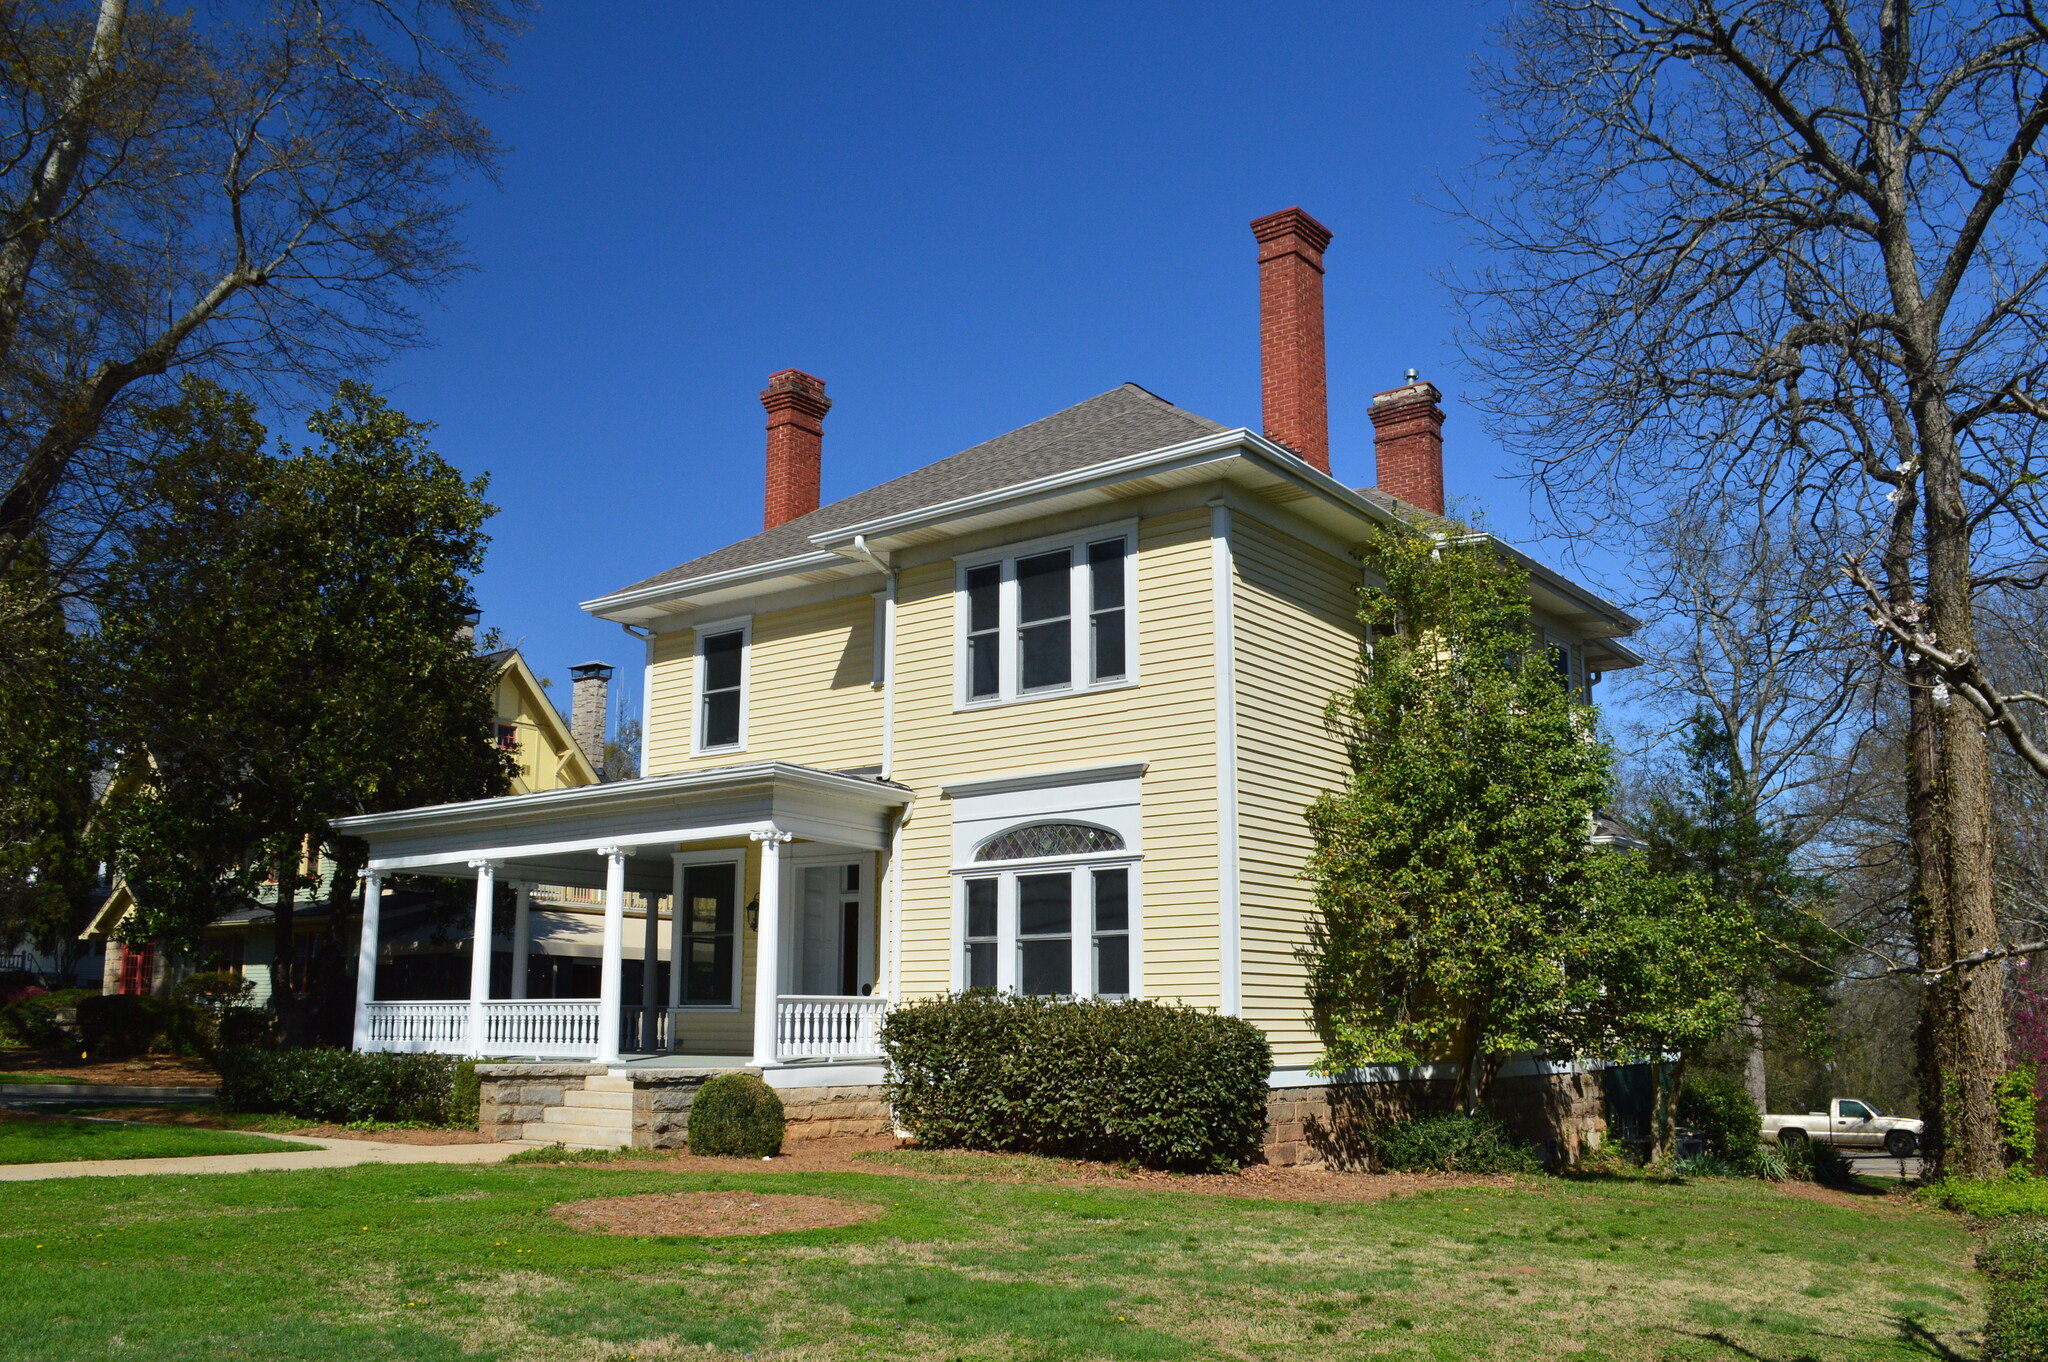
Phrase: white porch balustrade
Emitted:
{"points": [[822, 1027], [547, 1028], [439, 1028]]}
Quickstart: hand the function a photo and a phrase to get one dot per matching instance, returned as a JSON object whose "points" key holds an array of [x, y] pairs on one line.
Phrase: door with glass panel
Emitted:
{"points": [[830, 910]]}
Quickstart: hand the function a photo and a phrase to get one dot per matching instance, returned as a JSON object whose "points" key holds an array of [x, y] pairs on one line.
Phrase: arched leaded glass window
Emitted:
{"points": [[1048, 839]]}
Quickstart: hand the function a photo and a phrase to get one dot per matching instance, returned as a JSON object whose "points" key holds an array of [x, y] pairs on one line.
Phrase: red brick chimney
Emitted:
{"points": [[1291, 332], [1408, 443], [796, 404]]}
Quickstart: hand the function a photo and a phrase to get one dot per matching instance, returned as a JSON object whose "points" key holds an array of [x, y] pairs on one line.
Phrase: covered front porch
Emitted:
{"points": [[759, 943]]}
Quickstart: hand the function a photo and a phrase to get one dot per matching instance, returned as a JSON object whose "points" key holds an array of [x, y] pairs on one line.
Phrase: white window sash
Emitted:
{"points": [[700, 712], [1080, 618], [1080, 922]]}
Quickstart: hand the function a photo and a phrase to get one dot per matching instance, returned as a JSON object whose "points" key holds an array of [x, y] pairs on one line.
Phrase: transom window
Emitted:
{"points": [[1059, 930], [721, 687], [1048, 839], [1052, 620]]}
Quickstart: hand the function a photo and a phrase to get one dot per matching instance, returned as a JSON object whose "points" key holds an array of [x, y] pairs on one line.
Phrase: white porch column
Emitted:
{"points": [[522, 936], [768, 946], [608, 990], [650, 974], [676, 962], [480, 951], [366, 954]]}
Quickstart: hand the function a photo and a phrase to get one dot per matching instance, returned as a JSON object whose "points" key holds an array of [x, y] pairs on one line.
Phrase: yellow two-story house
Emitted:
{"points": [[1044, 715]]}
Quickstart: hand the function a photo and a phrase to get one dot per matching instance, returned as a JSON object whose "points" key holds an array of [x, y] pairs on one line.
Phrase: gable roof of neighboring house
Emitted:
{"points": [[1123, 421]]}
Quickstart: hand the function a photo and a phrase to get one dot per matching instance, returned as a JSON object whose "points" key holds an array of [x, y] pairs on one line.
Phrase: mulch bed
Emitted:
{"points": [[714, 1215], [143, 1071]]}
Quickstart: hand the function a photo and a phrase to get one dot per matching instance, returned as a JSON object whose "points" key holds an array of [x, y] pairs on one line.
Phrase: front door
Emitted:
{"points": [[830, 915]]}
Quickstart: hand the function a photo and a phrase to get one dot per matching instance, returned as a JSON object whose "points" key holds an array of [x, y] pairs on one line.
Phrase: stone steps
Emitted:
{"points": [[601, 1100], [575, 1136]]}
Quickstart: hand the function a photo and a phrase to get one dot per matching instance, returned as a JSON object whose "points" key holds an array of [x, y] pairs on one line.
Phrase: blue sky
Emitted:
{"points": [[961, 216]]}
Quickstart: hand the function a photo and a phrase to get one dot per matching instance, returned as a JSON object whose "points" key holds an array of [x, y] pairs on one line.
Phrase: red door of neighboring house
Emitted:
{"points": [[138, 968]]}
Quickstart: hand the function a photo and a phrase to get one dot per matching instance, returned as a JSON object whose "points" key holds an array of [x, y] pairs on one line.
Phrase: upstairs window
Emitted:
{"points": [[1052, 620], [508, 737], [722, 688]]}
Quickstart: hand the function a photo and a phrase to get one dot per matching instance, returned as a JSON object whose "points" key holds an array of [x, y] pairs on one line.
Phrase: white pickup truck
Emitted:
{"points": [[1848, 1124]]}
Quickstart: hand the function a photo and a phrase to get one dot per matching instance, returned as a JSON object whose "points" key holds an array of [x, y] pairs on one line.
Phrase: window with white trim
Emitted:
{"points": [[1048, 619], [722, 687], [1050, 914]]}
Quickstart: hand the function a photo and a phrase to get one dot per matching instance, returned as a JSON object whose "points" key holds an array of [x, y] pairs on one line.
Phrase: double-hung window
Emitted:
{"points": [[1047, 620], [706, 927], [722, 687], [1046, 910]]}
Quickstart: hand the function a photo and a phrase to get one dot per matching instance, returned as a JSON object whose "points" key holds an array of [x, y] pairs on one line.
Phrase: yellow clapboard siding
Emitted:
{"points": [[1296, 645], [1168, 719], [810, 692]]}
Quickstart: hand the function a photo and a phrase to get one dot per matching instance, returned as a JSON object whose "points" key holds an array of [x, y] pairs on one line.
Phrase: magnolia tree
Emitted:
{"points": [[1461, 912]]}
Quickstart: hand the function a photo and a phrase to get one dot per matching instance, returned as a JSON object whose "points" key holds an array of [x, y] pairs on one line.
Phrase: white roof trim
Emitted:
{"points": [[1044, 780]]}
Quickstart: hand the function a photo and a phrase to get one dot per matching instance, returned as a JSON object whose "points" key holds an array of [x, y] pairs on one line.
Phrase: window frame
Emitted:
{"points": [[1080, 617], [1082, 931], [699, 711], [737, 858]]}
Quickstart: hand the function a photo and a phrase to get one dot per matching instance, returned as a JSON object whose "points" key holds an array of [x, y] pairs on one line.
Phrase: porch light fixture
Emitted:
{"points": [[754, 916]]}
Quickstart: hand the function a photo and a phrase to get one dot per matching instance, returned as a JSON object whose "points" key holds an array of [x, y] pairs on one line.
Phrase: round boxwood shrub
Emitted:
{"points": [[736, 1114], [1721, 1111], [1451, 1142], [1132, 1081]]}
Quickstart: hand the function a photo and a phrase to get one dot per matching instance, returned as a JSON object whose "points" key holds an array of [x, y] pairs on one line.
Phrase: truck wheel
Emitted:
{"points": [[1791, 1139], [1900, 1144]]}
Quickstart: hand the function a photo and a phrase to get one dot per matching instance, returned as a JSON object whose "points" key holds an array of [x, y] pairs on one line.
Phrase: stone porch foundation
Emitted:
{"points": [[514, 1097]]}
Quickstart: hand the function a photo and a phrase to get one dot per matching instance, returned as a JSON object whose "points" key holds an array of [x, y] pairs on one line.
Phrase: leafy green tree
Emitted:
{"points": [[1713, 827], [284, 641], [1461, 912], [45, 872], [1449, 869]]}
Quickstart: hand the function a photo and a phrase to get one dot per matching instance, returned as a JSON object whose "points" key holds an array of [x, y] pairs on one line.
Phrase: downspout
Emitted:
{"points": [[887, 644], [1222, 587]]}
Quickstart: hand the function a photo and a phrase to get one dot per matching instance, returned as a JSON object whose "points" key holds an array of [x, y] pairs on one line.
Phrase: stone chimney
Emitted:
{"points": [[1291, 332], [796, 404], [589, 691], [1408, 443]]}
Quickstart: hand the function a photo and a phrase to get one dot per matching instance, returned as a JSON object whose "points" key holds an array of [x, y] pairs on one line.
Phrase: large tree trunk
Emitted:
{"points": [[284, 998], [1753, 1076], [1975, 1010]]}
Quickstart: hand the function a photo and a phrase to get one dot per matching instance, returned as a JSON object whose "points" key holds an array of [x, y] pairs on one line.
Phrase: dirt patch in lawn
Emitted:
{"points": [[144, 1071], [1893, 1200], [714, 1214], [884, 1155]]}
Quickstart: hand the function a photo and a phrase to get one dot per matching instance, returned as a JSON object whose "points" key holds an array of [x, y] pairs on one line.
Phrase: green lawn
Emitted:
{"points": [[38, 1078], [446, 1262], [54, 1141]]}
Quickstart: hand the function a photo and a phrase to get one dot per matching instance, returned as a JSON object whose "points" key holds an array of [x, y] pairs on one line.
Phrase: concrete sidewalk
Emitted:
{"points": [[330, 1154]]}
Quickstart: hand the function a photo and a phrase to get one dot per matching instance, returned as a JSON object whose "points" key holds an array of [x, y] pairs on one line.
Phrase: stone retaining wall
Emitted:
{"points": [[1563, 1115], [818, 1113]]}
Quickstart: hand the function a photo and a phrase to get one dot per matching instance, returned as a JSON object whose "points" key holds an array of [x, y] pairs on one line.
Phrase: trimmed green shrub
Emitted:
{"points": [[132, 1024], [736, 1114], [1451, 1142], [338, 1085], [249, 1027], [214, 990], [2015, 1266], [1133, 1081], [465, 1095], [1721, 1111], [32, 1021]]}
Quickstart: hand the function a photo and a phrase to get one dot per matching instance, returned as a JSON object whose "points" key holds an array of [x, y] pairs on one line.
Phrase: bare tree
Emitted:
{"points": [[258, 194], [1799, 244]]}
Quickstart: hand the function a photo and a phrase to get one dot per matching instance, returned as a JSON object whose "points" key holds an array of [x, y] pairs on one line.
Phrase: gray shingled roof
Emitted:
{"points": [[1121, 422]]}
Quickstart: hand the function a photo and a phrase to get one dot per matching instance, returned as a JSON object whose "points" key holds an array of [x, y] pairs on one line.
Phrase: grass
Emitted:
{"points": [[2016, 1193], [39, 1078], [446, 1262], [58, 1141]]}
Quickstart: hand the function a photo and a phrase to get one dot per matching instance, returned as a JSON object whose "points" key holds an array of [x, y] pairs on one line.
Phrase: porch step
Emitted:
{"points": [[607, 1083], [576, 1136], [601, 1100]]}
